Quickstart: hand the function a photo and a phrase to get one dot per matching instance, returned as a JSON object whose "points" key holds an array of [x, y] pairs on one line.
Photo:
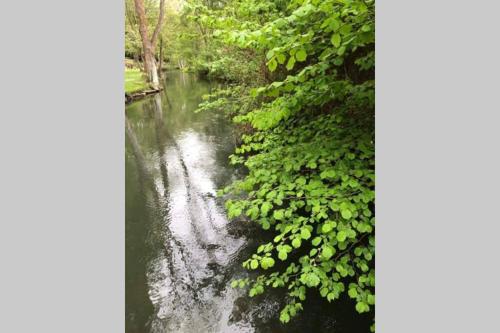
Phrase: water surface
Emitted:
{"points": [[181, 251]]}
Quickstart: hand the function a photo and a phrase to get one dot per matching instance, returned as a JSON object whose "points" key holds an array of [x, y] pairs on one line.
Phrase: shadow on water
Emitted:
{"points": [[180, 251]]}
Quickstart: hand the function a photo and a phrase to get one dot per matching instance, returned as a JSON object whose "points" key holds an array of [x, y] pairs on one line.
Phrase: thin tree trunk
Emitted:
{"points": [[161, 56], [159, 24]]}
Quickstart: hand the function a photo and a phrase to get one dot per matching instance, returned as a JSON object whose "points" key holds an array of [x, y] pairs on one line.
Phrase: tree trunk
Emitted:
{"points": [[143, 30], [148, 46], [155, 82]]}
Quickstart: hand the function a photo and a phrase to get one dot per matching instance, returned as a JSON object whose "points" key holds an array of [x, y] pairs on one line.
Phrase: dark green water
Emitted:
{"points": [[181, 252]]}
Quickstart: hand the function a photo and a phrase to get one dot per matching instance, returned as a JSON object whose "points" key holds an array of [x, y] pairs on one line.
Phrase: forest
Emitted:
{"points": [[297, 80]]}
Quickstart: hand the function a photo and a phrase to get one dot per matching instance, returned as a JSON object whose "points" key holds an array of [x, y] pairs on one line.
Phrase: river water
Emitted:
{"points": [[181, 251]]}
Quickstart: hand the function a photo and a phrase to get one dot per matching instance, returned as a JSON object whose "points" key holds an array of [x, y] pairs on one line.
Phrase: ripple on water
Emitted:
{"points": [[189, 284]]}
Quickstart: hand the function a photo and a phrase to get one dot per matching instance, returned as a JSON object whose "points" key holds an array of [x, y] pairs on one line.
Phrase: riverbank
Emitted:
{"points": [[135, 81], [136, 86], [140, 94]]}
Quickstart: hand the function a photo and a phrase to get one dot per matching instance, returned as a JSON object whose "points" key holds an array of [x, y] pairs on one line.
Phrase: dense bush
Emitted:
{"points": [[310, 149]]}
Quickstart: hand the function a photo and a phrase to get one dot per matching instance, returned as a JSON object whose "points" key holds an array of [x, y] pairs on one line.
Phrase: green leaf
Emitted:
{"points": [[301, 55], [361, 307], [284, 317], [327, 174], [327, 252], [279, 214], [312, 280], [346, 213], [341, 236], [334, 24], [234, 211], [305, 233], [316, 241], [282, 255], [296, 243], [290, 63], [281, 58], [312, 165], [327, 227], [272, 65], [265, 208], [267, 262], [345, 29], [265, 225], [254, 264], [301, 180], [353, 293], [336, 39]]}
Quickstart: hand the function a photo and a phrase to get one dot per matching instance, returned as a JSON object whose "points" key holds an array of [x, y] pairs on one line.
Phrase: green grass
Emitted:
{"points": [[135, 81]]}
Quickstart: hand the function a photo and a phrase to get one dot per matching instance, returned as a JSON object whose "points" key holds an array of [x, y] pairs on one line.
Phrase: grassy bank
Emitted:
{"points": [[135, 81]]}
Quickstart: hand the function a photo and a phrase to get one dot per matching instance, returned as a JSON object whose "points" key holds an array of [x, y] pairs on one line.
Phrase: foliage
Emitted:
{"points": [[232, 100], [210, 55], [310, 150], [225, 65]]}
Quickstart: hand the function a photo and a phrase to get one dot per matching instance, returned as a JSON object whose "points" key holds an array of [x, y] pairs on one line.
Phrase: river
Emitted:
{"points": [[181, 251]]}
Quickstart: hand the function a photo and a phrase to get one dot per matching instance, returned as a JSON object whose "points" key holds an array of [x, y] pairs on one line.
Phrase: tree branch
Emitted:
{"points": [[161, 18]]}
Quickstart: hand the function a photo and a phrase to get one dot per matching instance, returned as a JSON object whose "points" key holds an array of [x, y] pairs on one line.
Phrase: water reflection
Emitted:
{"points": [[178, 166]]}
